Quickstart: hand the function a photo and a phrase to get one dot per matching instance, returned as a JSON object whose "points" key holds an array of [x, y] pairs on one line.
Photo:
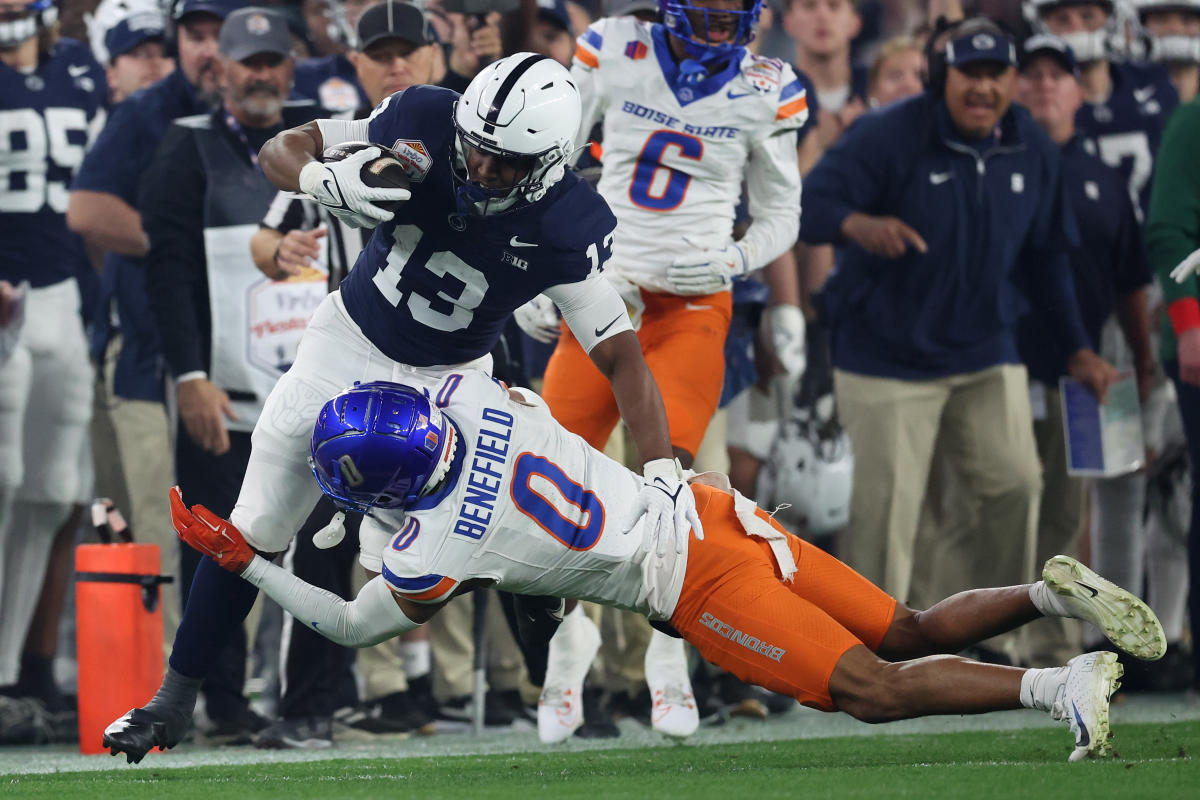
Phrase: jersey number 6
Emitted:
{"points": [[656, 186]]}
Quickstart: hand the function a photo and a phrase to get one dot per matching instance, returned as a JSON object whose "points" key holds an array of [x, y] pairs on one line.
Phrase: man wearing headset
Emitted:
{"points": [[945, 204]]}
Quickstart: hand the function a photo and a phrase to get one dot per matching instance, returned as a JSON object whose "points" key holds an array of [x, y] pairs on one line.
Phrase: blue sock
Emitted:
{"points": [[217, 605]]}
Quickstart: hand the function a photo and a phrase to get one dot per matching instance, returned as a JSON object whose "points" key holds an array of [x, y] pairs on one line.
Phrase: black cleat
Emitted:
{"points": [[141, 730]]}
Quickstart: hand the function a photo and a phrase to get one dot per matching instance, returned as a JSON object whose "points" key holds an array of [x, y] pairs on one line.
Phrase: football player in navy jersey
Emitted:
{"points": [[52, 95], [492, 218], [1126, 105], [1173, 34]]}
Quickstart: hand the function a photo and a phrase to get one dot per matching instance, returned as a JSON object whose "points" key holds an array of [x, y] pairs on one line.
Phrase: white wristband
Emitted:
{"points": [[668, 468], [194, 375]]}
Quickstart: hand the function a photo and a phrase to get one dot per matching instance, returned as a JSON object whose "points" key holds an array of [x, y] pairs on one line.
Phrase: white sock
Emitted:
{"points": [[1040, 687], [1046, 601], [416, 658]]}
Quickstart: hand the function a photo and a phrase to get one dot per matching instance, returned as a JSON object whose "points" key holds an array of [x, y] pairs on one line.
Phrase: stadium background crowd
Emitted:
{"points": [[915, 431]]}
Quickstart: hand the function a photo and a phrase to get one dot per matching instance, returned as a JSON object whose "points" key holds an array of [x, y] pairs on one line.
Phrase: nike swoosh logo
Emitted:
{"points": [[733, 96], [1089, 588], [602, 331], [1085, 738], [938, 178], [661, 485], [77, 70], [514, 242], [1143, 94]]}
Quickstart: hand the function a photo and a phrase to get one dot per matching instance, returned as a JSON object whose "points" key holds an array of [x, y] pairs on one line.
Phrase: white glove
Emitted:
{"points": [[1186, 267], [338, 186], [707, 271], [787, 338], [667, 503], [539, 319]]}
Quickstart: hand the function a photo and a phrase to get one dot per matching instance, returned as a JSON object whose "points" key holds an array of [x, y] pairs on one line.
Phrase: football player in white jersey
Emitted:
{"points": [[688, 115], [487, 489]]}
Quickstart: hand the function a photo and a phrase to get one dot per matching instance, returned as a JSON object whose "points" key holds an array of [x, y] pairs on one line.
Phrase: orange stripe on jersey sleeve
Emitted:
{"points": [[793, 107], [439, 592], [586, 57]]}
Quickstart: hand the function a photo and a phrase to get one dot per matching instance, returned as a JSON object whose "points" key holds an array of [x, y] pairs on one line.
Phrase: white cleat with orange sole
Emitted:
{"points": [[673, 706], [560, 707]]}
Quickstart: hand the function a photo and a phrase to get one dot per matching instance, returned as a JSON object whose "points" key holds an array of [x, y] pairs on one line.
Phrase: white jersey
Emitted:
{"points": [[675, 155], [533, 508]]}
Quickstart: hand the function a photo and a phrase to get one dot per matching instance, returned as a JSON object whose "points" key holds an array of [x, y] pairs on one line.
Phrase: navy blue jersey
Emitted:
{"points": [[1109, 261], [436, 287], [331, 82], [1128, 127], [47, 119]]}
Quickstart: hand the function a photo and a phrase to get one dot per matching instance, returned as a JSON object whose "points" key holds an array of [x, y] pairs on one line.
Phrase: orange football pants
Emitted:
{"points": [[683, 339], [786, 637]]}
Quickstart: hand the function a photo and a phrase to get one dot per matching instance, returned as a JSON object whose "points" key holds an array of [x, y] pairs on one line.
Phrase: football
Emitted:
{"points": [[384, 172]]}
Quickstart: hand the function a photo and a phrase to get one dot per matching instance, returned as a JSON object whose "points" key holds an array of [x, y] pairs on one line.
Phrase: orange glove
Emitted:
{"points": [[211, 535]]}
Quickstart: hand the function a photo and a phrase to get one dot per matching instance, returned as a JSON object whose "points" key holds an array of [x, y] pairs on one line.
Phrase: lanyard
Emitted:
{"points": [[240, 132]]}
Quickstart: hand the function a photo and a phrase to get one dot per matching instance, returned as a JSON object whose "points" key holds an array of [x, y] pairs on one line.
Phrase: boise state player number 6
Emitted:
{"points": [[650, 162]]}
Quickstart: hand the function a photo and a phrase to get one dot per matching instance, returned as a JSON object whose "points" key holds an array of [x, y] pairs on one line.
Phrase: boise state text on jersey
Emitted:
{"points": [[47, 119], [435, 286]]}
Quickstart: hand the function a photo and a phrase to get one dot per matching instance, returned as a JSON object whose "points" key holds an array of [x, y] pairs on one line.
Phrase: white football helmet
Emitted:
{"points": [[1088, 46], [522, 107], [35, 17], [1176, 48], [137, 14], [811, 471]]}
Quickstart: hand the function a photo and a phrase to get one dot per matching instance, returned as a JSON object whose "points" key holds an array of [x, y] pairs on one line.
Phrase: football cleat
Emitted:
{"points": [[673, 709], [1123, 618], [140, 730], [1082, 702], [560, 706]]}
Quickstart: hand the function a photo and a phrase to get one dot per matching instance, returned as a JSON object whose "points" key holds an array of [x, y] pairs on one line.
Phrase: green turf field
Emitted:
{"points": [[1153, 760]]}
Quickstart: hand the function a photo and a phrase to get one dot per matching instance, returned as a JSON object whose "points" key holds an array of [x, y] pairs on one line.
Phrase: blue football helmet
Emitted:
{"points": [[380, 445], [675, 19]]}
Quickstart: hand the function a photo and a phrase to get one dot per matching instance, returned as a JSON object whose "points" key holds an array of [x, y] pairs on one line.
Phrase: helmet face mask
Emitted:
{"points": [[523, 111], [1175, 39], [380, 445], [693, 26], [1101, 44], [19, 24]]}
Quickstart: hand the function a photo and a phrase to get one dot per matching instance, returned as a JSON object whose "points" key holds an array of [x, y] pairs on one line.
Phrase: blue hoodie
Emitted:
{"points": [[997, 226]]}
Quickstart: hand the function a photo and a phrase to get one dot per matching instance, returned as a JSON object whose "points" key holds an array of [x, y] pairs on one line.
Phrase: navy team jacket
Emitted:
{"points": [[994, 216]]}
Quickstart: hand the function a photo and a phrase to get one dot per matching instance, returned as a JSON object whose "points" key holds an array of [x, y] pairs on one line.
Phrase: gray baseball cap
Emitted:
{"points": [[393, 20], [253, 30]]}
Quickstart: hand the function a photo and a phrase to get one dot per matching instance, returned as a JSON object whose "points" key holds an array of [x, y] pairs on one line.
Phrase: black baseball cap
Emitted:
{"points": [[1045, 44], [253, 30], [218, 8], [393, 20]]}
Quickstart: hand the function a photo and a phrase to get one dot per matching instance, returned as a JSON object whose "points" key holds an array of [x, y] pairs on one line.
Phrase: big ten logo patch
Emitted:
{"points": [[414, 156]]}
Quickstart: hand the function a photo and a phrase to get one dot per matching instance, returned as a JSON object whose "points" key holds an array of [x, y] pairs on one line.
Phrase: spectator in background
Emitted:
{"points": [[1173, 236], [328, 78], [1173, 27], [923, 308], [102, 208], [1110, 274], [823, 30], [201, 200], [128, 38], [896, 72], [552, 34], [53, 95], [469, 43]]}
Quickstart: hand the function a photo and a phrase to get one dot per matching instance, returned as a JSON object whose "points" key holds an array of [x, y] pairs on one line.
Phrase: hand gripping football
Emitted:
{"points": [[385, 172]]}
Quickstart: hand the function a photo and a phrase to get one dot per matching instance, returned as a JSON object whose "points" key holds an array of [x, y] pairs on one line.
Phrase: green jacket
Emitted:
{"points": [[1173, 225]]}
